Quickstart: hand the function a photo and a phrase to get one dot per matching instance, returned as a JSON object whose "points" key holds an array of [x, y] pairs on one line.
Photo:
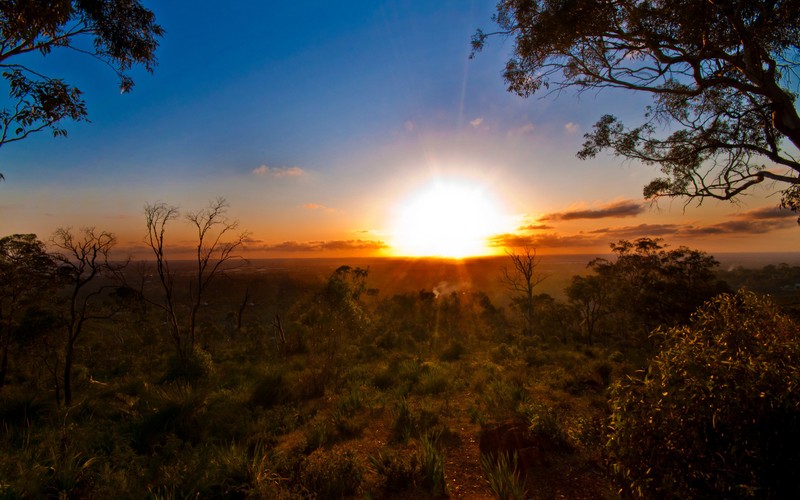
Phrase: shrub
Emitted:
{"points": [[453, 351], [331, 473], [197, 365], [270, 390], [396, 472], [718, 412], [404, 425]]}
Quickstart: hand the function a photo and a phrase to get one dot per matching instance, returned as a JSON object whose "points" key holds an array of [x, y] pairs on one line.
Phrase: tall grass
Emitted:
{"points": [[503, 476]]}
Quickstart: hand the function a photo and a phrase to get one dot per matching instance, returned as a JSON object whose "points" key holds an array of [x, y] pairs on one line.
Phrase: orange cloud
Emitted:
{"points": [[317, 206], [319, 246]]}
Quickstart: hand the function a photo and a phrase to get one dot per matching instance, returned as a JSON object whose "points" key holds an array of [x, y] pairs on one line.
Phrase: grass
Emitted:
{"points": [[503, 477]]}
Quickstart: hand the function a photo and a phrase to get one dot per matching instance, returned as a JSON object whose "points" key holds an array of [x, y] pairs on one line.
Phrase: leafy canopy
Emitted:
{"points": [[120, 33], [722, 75]]}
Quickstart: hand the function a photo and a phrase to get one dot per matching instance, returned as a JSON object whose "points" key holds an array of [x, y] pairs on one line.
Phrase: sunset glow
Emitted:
{"points": [[446, 219]]}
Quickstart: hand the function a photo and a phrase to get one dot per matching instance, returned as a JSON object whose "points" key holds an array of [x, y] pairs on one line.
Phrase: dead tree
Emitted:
{"points": [[521, 280]]}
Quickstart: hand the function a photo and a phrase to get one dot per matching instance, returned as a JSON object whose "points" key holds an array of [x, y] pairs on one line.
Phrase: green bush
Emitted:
{"points": [[718, 413]]}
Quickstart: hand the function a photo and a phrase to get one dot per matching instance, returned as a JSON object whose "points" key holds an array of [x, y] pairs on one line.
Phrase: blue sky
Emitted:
{"points": [[316, 120]]}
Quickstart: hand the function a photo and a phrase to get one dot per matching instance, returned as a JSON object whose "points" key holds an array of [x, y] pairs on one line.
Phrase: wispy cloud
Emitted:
{"points": [[534, 227], [572, 128], [264, 170], [476, 122], [624, 208], [523, 130], [318, 206], [775, 212], [320, 246], [638, 231], [549, 240]]}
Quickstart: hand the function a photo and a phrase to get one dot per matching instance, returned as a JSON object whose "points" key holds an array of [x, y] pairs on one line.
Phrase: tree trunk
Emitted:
{"points": [[68, 357], [4, 362]]}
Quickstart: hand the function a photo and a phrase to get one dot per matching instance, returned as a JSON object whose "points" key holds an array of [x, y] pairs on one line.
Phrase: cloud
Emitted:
{"points": [[775, 212], [410, 126], [572, 128], [756, 226], [638, 231], [534, 227], [476, 122], [624, 208], [317, 206], [550, 240], [319, 246], [523, 130], [264, 170]]}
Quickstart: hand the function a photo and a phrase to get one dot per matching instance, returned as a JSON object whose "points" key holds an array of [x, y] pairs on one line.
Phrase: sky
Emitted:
{"points": [[351, 128]]}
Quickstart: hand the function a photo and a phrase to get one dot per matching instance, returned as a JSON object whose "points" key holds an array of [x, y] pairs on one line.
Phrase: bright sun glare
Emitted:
{"points": [[446, 219]]}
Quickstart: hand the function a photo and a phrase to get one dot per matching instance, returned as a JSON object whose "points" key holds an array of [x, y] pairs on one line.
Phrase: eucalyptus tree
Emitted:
{"points": [[119, 33], [722, 76], [26, 273]]}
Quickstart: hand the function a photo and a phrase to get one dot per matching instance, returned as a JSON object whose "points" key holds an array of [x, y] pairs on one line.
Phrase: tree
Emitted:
{"points": [[717, 414], [211, 253], [120, 33], [589, 295], [26, 271], [722, 74], [521, 280], [82, 259], [650, 285]]}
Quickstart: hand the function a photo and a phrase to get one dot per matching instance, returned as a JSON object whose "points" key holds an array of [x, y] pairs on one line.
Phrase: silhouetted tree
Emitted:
{"points": [[212, 251], [26, 271], [82, 258], [589, 295], [722, 76], [651, 286], [521, 280], [120, 33]]}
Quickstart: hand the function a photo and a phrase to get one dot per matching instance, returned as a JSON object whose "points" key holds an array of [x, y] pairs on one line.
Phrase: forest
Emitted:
{"points": [[215, 378]]}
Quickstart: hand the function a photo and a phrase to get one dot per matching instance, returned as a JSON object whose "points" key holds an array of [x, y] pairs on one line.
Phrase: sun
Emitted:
{"points": [[446, 219]]}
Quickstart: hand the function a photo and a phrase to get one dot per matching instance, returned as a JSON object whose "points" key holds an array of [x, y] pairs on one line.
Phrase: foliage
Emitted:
{"points": [[650, 285], [718, 412], [194, 367], [397, 471], [26, 273], [722, 76], [120, 33], [589, 296], [272, 389], [332, 473], [503, 476], [431, 461]]}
